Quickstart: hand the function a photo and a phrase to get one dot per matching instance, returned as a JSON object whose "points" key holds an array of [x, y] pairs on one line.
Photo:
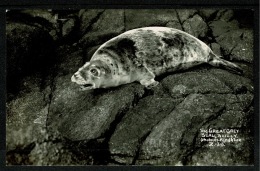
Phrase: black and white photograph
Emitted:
{"points": [[116, 87]]}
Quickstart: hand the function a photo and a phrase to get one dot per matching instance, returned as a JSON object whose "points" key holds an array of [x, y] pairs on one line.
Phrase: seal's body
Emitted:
{"points": [[142, 54]]}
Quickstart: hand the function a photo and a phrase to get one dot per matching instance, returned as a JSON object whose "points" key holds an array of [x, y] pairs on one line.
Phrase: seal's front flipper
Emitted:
{"points": [[149, 83]]}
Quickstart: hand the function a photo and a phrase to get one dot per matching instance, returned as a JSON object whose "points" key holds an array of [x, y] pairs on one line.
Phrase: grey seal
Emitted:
{"points": [[142, 54]]}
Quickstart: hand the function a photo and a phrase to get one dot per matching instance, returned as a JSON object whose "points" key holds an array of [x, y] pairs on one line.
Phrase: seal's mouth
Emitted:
{"points": [[86, 86]]}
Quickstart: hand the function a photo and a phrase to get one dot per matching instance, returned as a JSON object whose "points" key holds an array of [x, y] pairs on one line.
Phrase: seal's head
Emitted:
{"points": [[94, 74]]}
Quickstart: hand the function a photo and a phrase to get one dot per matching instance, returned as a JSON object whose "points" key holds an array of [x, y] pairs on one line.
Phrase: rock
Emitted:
{"points": [[174, 24], [19, 156], [26, 118], [178, 85], [207, 14], [40, 13], [87, 18], [230, 154], [236, 43], [218, 156], [44, 19], [221, 27], [244, 17], [236, 46], [164, 144], [247, 70], [135, 18], [63, 88], [216, 48], [136, 125], [185, 14], [88, 115], [111, 21], [34, 55], [70, 59], [50, 154], [174, 140], [243, 51], [236, 83], [68, 27], [88, 52], [224, 15], [103, 27], [195, 26]]}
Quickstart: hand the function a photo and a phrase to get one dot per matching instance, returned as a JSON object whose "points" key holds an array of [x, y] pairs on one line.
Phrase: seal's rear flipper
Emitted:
{"points": [[218, 62]]}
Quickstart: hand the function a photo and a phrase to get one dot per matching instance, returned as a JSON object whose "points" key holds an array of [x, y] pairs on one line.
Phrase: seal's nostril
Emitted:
{"points": [[76, 75]]}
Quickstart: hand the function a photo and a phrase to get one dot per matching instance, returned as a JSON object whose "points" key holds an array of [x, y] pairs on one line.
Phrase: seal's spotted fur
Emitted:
{"points": [[142, 54]]}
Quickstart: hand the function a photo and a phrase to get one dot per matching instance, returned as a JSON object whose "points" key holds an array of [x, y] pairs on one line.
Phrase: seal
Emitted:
{"points": [[142, 54]]}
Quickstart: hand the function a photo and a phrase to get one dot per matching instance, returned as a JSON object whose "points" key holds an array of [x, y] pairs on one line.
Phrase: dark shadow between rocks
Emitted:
{"points": [[244, 17], [34, 57]]}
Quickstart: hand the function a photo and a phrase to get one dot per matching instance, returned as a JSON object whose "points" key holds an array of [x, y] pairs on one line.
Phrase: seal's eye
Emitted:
{"points": [[94, 72]]}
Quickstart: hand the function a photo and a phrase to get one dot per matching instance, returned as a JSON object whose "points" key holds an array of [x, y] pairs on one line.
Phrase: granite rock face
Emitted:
{"points": [[201, 116]]}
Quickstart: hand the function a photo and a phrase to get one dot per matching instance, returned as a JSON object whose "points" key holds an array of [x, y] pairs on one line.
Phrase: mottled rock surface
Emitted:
{"points": [[51, 122]]}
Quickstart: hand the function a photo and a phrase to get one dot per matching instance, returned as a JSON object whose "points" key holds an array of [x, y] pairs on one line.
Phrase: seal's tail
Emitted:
{"points": [[219, 62]]}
